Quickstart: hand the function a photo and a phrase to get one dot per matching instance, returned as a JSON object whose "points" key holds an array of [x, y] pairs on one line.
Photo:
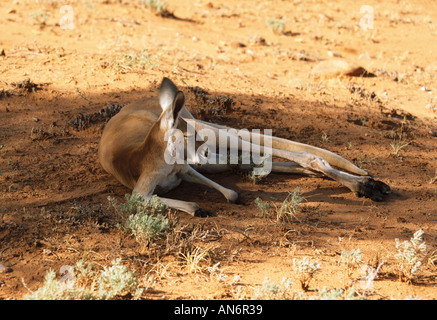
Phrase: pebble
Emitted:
{"points": [[303, 57], [338, 67], [432, 107], [334, 54], [364, 55], [237, 44], [4, 269]]}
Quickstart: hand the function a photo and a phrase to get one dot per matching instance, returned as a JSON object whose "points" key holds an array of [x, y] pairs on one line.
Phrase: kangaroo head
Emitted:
{"points": [[172, 102]]}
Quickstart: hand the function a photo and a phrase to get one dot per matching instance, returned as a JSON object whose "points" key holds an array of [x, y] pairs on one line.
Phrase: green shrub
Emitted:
{"points": [[112, 283], [305, 271], [145, 221], [273, 291], [286, 211], [145, 227], [116, 281], [351, 260], [289, 207], [159, 7], [264, 207], [335, 294], [410, 255], [58, 290], [276, 25]]}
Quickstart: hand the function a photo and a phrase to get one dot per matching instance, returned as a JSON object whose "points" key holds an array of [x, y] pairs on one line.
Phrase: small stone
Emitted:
{"points": [[237, 44], [334, 54], [432, 107], [338, 67], [394, 75], [364, 55], [302, 57], [4, 269]]}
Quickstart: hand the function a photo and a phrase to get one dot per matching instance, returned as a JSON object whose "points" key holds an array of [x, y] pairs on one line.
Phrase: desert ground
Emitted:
{"points": [[67, 66]]}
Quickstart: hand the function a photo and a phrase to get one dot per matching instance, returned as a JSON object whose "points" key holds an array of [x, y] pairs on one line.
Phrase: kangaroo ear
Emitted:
{"points": [[170, 114], [167, 93], [178, 103]]}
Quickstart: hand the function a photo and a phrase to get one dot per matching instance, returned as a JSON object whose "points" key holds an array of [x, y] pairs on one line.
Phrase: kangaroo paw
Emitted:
{"points": [[373, 189], [203, 213]]}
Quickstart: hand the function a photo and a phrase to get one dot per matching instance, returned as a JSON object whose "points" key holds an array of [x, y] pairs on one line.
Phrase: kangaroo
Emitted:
{"points": [[133, 145]]}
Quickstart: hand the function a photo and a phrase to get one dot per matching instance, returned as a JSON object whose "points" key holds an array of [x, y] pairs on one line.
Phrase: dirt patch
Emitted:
{"points": [[59, 86]]}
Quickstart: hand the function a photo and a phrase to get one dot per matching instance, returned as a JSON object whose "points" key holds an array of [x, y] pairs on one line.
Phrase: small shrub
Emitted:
{"points": [[351, 260], [158, 7], [136, 61], [117, 281], [286, 211], [305, 271], [194, 256], [398, 144], [325, 138], [134, 204], [410, 255], [145, 227], [40, 17], [276, 25], [53, 289], [145, 221], [112, 283], [84, 273], [289, 207], [335, 294], [273, 291], [264, 207]]}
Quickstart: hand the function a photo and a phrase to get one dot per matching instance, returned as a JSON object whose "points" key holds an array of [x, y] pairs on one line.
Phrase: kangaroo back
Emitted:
{"points": [[134, 137]]}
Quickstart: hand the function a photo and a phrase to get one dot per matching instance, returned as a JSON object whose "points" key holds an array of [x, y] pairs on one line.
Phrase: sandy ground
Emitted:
{"points": [[53, 192]]}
